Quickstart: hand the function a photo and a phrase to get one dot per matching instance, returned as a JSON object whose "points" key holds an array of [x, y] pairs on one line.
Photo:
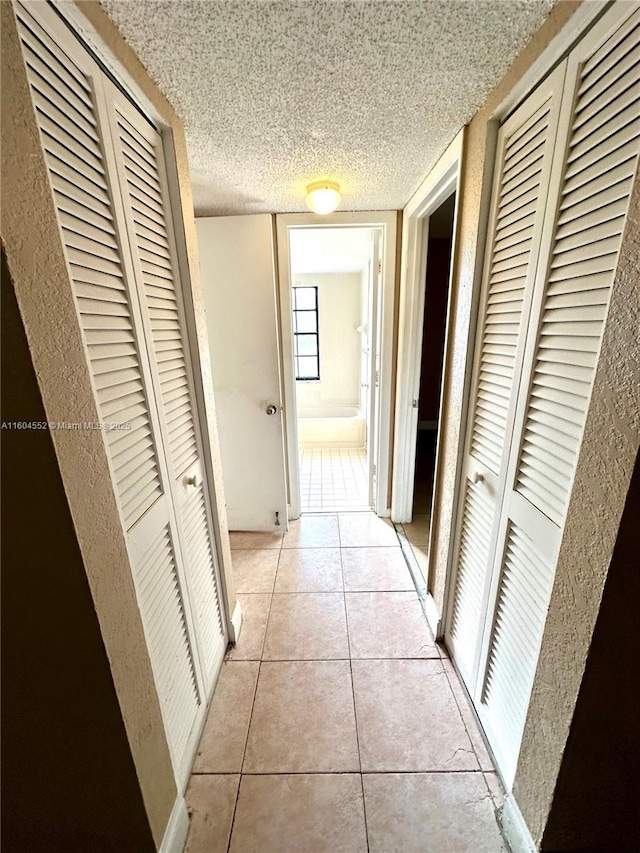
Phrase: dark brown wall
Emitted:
{"points": [[596, 806], [68, 780], [435, 316]]}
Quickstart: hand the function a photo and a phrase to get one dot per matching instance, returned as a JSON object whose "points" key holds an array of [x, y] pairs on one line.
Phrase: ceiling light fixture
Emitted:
{"points": [[323, 197]]}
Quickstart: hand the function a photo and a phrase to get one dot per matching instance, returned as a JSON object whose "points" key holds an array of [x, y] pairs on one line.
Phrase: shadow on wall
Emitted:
{"points": [[595, 806], [69, 782]]}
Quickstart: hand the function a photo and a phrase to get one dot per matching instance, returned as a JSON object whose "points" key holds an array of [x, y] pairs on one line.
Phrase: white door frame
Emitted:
{"points": [[387, 222], [441, 182]]}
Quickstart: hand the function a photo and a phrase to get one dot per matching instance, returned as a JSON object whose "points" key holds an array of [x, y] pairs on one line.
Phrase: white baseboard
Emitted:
{"points": [[515, 828], [433, 616], [175, 836], [235, 623]]}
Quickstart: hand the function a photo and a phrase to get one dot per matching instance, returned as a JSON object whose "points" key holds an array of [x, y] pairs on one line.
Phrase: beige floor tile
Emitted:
{"points": [[292, 814], [307, 626], [224, 736], [388, 625], [241, 540], [417, 530], [313, 531], [366, 530], [211, 801], [418, 535], [375, 570], [303, 719], [408, 719], [473, 729], [309, 570], [254, 571], [431, 813], [255, 613]]}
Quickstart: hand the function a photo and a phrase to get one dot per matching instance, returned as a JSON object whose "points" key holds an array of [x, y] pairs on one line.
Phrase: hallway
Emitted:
{"points": [[337, 723]]}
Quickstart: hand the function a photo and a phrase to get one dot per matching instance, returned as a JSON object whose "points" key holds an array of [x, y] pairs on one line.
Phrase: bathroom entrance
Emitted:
{"points": [[333, 277]]}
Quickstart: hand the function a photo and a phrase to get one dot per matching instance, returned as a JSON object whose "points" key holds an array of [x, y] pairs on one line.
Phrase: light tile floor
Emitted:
{"points": [[337, 723], [333, 480]]}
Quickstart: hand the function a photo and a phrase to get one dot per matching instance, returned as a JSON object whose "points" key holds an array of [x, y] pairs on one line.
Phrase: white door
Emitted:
{"points": [[140, 162], [596, 160], [80, 115], [521, 183], [530, 407], [373, 401], [238, 279]]}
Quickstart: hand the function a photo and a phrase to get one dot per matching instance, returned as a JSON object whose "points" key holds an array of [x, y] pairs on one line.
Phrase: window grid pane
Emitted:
{"points": [[305, 333]]}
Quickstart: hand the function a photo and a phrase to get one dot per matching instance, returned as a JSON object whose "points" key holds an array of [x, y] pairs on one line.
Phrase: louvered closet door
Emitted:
{"points": [[140, 159], [524, 154], [81, 172], [601, 138]]}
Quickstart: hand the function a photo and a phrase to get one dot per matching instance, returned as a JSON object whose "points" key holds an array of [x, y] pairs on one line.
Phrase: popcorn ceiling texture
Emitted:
{"points": [[274, 95]]}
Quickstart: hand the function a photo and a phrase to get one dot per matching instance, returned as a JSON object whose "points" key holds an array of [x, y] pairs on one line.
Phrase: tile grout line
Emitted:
{"points": [[348, 773], [353, 693], [255, 693]]}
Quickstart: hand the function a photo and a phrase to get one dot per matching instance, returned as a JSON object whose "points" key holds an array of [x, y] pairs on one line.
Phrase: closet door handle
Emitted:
{"points": [[191, 481], [477, 477]]}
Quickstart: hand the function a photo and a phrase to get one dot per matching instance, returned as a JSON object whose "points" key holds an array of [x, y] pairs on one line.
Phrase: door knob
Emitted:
{"points": [[191, 481], [477, 477], [271, 409]]}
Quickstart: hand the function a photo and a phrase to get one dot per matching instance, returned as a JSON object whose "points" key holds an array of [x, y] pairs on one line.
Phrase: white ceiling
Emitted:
{"points": [[277, 93], [322, 250]]}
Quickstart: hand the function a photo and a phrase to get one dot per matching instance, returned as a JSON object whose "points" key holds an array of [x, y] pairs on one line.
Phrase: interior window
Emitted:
{"points": [[306, 348]]}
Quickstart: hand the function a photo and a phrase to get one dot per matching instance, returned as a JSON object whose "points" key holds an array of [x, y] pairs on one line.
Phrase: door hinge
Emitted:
{"points": [[377, 378], [415, 403], [379, 265]]}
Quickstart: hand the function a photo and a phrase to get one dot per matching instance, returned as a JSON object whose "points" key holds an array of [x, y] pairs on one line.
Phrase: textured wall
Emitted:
{"points": [[69, 781], [35, 256], [595, 804]]}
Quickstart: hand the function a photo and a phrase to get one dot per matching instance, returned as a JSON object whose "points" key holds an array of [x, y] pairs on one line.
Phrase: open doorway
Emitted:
{"points": [[437, 285], [333, 307]]}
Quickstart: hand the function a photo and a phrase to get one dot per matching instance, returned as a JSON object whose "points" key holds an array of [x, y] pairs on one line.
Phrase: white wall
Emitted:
{"points": [[339, 313]]}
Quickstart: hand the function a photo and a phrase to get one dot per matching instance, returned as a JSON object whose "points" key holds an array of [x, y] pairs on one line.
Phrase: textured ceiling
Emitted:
{"points": [[274, 95]]}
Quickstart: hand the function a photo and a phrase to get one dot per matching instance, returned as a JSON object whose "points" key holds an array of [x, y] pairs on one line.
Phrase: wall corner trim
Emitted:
{"points": [[235, 623], [434, 618], [175, 835], [515, 828]]}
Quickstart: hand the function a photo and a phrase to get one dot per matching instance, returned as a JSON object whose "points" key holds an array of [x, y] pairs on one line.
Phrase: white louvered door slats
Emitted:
{"points": [[153, 246], [202, 566], [600, 165], [595, 163], [521, 182], [63, 100], [68, 97], [473, 557], [523, 595], [163, 610], [518, 212], [140, 158]]}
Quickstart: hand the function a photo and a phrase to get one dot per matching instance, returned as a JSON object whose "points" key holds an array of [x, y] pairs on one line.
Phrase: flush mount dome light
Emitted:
{"points": [[323, 197]]}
